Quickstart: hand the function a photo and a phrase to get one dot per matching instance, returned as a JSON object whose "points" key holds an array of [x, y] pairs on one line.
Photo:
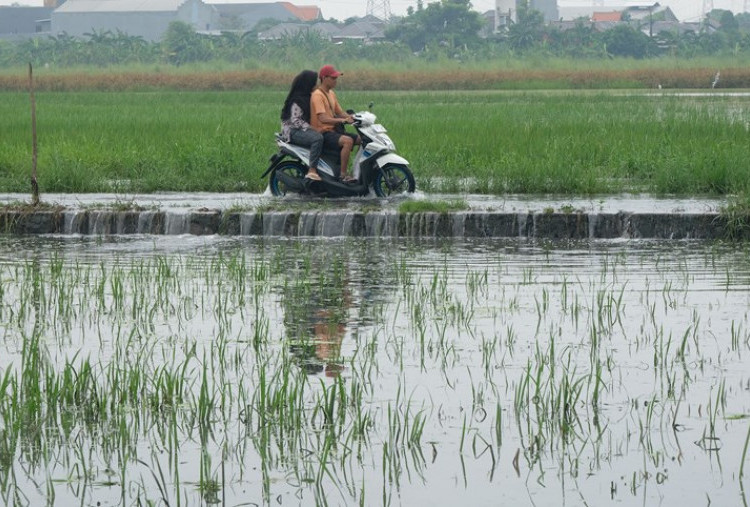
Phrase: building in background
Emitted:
{"points": [[145, 18], [245, 16], [506, 11], [652, 11], [22, 22]]}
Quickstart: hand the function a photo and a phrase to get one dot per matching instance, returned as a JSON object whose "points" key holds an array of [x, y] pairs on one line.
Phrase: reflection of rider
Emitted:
{"points": [[329, 333], [328, 118], [318, 326], [295, 119], [321, 352]]}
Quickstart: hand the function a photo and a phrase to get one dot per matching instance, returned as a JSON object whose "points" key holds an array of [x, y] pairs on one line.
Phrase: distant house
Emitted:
{"points": [[283, 30], [654, 12], [24, 21], [598, 17], [627, 12], [678, 28], [244, 16], [507, 11], [145, 18], [366, 29]]}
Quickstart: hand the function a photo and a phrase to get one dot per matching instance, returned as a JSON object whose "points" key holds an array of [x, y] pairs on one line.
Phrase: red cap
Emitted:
{"points": [[328, 71]]}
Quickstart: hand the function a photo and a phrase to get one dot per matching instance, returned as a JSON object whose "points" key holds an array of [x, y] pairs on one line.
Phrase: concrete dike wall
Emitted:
{"points": [[489, 224]]}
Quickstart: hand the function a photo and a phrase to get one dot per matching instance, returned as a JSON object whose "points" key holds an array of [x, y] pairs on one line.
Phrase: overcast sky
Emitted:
{"points": [[685, 10]]}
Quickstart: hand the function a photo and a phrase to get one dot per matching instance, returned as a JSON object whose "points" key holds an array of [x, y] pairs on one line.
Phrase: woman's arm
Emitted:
{"points": [[297, 118]]}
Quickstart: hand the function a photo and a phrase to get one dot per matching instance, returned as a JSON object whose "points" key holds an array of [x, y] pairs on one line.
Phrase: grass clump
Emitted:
{"points": [[736, 217], [434, 206]]}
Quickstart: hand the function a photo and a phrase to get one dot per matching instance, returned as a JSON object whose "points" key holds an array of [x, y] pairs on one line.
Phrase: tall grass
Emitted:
{"points": [[580, 142]]}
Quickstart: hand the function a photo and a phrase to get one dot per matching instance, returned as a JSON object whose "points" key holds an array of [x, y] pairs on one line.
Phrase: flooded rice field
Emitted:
{"points": [[188, 370]]}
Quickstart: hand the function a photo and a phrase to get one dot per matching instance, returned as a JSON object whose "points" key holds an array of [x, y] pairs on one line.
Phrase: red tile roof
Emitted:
{"points": [[607, 16], [303, 12]]}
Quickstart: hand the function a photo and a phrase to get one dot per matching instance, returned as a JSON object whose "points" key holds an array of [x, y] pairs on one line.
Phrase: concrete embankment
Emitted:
{"points": [[489, 224]]}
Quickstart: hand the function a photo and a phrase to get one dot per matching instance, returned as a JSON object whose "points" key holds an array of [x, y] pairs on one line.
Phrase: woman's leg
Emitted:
{"points": [[313, 140]]}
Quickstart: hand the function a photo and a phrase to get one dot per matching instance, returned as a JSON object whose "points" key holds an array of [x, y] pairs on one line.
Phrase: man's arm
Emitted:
{"points": [[319, 109]]}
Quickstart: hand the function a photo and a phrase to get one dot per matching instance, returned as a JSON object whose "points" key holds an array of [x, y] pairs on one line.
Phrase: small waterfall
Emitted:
{"points": [[353, 224], [419, 224], [332, 224], [274, 223], [381, 224], [146, 222], [100, 222], [126, 222], [249, 225], [522, 220], [307, 223], [176, 223], [593, 219], [459, 224], [75, 222]]}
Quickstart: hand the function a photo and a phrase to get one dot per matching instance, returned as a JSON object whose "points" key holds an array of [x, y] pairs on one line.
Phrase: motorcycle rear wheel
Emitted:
{"points": [[290, 168], [394, 179]]}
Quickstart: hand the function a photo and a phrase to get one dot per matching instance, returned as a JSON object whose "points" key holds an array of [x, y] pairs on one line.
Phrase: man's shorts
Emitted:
{"points": [[331, 139]]}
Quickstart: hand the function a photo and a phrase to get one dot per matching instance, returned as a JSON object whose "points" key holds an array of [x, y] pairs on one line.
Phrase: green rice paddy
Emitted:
{"points": [[492, 142]]}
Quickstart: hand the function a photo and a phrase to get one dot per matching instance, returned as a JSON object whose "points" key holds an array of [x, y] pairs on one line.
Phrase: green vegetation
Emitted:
{"points": [[737, 216], [494, 142], [419, 206]]}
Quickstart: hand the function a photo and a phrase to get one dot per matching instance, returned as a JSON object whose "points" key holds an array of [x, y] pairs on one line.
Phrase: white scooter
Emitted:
{"points": [[376, 166]]}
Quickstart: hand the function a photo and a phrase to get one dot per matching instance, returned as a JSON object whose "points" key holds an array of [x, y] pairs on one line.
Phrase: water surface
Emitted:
{"points": [[188, 369]]}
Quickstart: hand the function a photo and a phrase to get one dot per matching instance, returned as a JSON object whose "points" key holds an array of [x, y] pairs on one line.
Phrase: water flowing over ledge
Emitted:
{"points": [[387, 223]]}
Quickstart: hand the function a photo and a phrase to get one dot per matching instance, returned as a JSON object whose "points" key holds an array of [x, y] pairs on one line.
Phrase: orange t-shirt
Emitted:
{"points": [[320, 102]]}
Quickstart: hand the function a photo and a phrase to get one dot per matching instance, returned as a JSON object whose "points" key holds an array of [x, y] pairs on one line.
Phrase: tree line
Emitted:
{"points": [[443, 29]]}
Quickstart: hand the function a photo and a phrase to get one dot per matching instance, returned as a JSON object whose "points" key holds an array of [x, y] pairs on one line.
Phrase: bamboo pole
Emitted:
{"points": [[34, 184]]}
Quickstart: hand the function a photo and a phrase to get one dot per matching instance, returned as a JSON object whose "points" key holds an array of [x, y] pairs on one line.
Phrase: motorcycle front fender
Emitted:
{"points": [[391, 158]]}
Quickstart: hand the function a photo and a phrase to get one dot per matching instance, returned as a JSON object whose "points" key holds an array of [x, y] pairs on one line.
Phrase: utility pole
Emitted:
{"points": [[381, 9], [34, 184]]}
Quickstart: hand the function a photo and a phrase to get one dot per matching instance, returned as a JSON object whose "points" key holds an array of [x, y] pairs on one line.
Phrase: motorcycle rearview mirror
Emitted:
{"points": [[369, 106], [350, 111]]}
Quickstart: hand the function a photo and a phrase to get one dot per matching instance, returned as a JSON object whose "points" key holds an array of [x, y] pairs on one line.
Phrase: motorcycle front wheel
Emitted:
{"points": [[394, 179], [288, 169]]}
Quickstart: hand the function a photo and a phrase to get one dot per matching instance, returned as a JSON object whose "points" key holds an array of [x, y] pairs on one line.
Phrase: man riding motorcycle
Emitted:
{"points": [[328, 118]]}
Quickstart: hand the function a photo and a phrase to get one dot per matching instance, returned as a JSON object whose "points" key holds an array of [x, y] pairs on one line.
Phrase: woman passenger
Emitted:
{"points": [[295, 119]]}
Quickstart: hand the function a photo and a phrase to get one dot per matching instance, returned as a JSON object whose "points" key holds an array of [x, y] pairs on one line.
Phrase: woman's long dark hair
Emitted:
{"points": [[302, 87]]}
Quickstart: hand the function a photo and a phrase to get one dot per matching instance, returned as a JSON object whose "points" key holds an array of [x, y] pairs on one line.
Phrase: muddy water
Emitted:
{"points": [[383, 372]]}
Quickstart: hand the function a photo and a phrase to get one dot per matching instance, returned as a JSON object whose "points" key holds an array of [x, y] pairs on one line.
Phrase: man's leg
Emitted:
{"points": [[346, 143], [331, 143]]}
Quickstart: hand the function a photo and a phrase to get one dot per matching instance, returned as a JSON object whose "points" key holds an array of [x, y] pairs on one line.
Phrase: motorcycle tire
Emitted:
{"points": [[289, 168], [394, 179]]}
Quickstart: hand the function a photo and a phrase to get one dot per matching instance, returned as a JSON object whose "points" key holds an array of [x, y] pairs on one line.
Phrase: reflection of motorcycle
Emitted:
{"points": [[376, 166]]}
